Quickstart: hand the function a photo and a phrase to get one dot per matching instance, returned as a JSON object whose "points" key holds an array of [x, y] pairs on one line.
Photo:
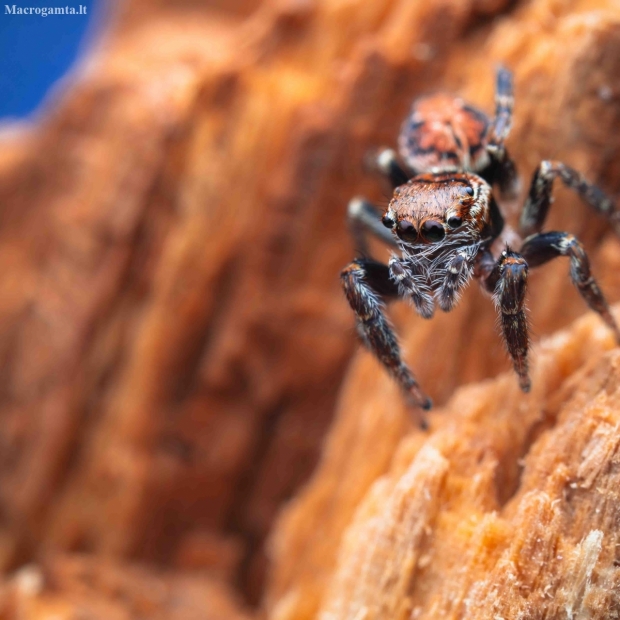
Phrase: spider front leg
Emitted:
{"points": [[509, 281], [366, 283], [540, 249], [539, 199]]}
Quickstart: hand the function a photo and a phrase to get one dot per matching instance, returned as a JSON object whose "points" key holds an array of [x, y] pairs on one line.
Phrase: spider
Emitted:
{"points": [[449, 229]]}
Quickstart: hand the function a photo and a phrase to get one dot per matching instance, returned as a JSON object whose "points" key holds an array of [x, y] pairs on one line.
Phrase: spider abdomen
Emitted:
{"points": [[444, 133]]}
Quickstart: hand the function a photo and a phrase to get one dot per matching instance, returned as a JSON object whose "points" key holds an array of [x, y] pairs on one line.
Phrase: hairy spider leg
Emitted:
{"points": [[539, 199], [502, 169], [504, 102], [510, 284], [364, 217], [366, 285], [503, 173], [386, 162], [540, 249]]}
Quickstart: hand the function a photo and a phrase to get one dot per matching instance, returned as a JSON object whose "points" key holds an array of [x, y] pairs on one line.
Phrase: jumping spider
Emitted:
{"points": [[448, 227]]}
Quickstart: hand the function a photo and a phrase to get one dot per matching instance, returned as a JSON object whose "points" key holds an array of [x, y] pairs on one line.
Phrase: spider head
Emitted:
{"points": [[451, 209]]}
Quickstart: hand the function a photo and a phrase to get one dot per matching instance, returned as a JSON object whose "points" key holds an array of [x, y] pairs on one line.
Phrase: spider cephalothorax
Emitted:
{"points": [[432, 208], [447, 225], [439, 222]]}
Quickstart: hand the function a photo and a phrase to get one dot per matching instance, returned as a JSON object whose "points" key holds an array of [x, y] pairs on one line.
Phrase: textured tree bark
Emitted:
{"points": [[173, 336]]}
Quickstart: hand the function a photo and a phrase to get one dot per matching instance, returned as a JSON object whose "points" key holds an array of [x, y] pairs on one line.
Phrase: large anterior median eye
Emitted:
{"points": [[433, 230], [406, 231]]}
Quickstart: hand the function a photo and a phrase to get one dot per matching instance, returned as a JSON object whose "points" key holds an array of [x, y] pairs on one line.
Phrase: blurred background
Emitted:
{"points": [[173, 339]]}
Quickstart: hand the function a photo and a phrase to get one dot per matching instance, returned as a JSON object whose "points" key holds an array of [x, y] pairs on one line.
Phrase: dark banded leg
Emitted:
{"points": [[366, 283], [365, 218], [502, 170], [539, 199], [386, 162], [504, 102], [510, 275], [540, 249], [502, 173]]}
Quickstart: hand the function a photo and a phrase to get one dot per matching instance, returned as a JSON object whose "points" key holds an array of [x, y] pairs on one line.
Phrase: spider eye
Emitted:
{"points": [[387, 221], [433, 230], [469, 191], [455, 221], [406, 231]]}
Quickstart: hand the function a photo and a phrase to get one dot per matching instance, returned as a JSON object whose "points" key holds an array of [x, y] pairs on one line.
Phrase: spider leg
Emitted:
{"points": [[385, 161], [502, 169], [366, 284], [504, 102], [410, 289], [510, 284], [364, 217], [503, 173], [539, 199], [539, 249]]}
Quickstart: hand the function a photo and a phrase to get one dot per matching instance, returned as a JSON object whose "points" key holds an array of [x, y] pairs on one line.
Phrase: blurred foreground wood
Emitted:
{"points": [[173, 337]]}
